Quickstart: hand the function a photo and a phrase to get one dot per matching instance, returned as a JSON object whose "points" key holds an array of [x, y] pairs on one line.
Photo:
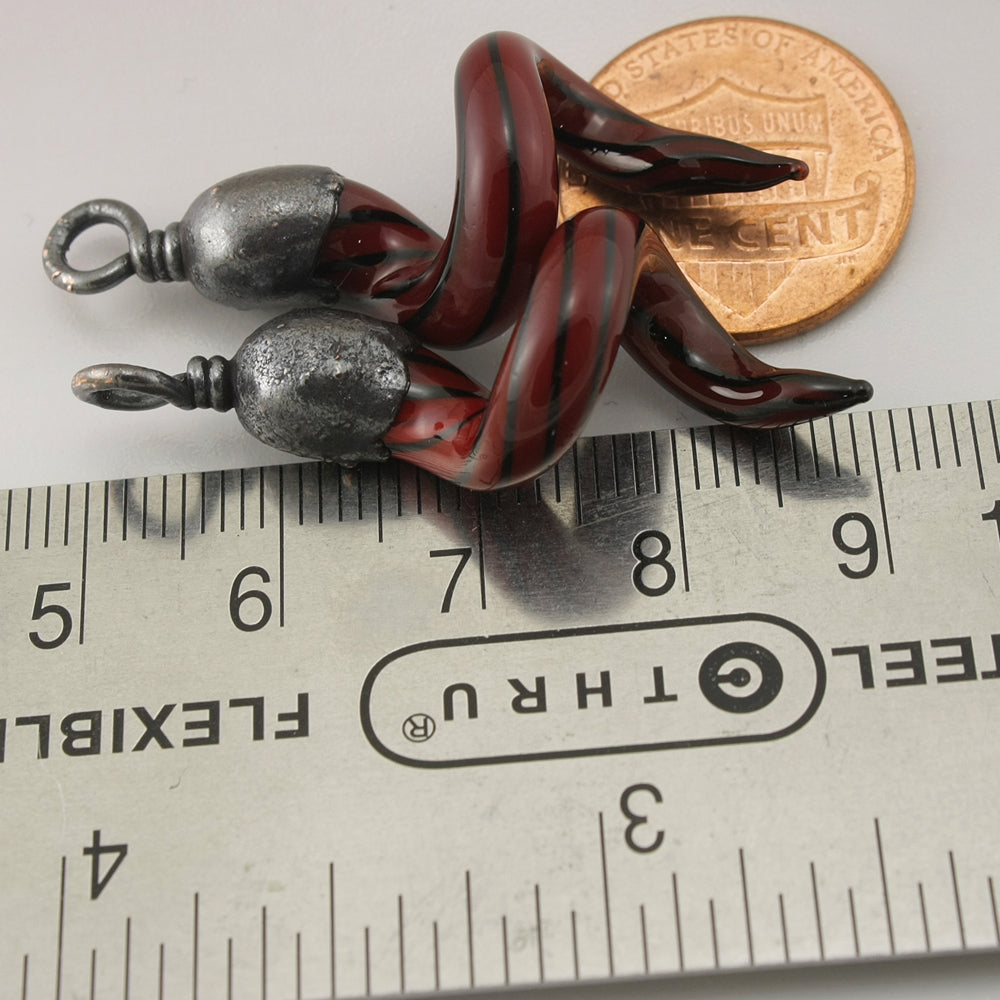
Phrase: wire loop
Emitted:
{"points": [[206, 384], [153, 255]]}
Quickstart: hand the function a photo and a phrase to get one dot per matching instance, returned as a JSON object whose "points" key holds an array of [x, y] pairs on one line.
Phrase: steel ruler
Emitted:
{"points": [[693, 699]]}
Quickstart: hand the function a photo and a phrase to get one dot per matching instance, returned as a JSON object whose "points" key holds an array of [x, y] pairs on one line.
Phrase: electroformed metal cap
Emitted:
{"points": [[322, 383]]}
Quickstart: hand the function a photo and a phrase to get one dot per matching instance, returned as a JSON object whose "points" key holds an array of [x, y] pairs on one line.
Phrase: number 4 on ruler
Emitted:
{"points": [[96, 850]]}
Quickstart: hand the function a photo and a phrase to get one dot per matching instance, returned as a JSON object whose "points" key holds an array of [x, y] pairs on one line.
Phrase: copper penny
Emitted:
{"points": [[773, 263]]}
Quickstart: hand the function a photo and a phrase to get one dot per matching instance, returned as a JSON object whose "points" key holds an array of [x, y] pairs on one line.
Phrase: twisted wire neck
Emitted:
{"points": [[155, 255], [208, 382]]}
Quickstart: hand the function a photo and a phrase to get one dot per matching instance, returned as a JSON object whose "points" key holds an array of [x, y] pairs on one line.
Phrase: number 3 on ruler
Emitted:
{"points": [[640, 819]]}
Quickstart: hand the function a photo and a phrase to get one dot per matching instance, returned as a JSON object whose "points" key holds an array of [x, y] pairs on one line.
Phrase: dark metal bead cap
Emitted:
{"points": [[253, 240], [322, 383]]}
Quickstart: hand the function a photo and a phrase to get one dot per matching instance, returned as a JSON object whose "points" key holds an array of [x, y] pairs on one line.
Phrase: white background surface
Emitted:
{"points": [[152, 104]]}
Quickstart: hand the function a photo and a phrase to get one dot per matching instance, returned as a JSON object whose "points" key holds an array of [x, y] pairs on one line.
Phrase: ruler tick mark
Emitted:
{"points": [[794, 445], [607, 895], [854, 923], [61, 928], [746, 906], [320, 474], [854, 444], [694, 459], [756, 458], [885, 888], [419, 488], [222, 502], [934, 439], [107, 503], [993, 428], [975, 446], [954, 436], [333, 948], [468, 927], [437, 958], [298, 965], [506, 950], [159, 975], [368, 964], [680, 510], [48, 516], [261, 494], [24, 978], [128, 957], [538, 935], [677, 922], [784, 926], [183, 513], [815, 449], [202, 513], [93, 974], [27, 520], [958, 899], [84, 550], [281, 545], [655, 462], [575, 452], [993, 907], [480, 534], [163, 507], [378, 501], [715, 934], [194, 950], [881, 493], [243, 500], [645, 941], [10, 511], [816, 911], [302, 494], [913, 439], [734, 456], [66, 518], [576, 946], [774, 439], [402, 949], [895, 443], [923, 916], [263, 953], [124, 483]]}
